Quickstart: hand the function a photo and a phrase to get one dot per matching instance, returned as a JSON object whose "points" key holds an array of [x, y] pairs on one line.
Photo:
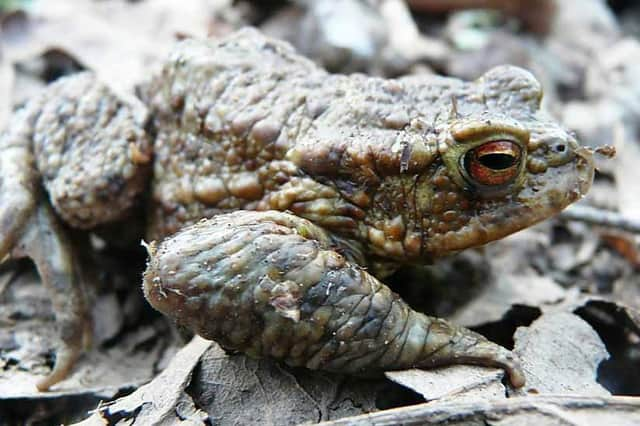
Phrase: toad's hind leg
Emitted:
{"points": [[75, 155], [28, 228], [272, 284]]}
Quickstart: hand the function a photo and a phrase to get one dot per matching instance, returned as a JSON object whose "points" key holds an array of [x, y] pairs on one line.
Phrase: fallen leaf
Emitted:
{"points": [[624, 244], [455, 382], [163, 401], [235, 389], [560, 354], [507, 290], [29, 336], [118, 40]]}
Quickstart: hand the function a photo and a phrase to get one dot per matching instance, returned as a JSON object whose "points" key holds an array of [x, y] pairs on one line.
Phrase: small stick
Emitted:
{"points": [[596, 216], [550, 407]]}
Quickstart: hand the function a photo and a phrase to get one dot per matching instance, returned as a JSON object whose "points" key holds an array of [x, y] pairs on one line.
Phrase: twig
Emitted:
{"points": [[6, 277], [626, 410], [601, 217]]}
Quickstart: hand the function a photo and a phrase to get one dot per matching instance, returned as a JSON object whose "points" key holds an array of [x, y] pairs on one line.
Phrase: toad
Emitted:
{"points": [[277, 196]]}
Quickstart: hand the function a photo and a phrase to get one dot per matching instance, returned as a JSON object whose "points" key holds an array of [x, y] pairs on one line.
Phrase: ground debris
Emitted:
{"points": [[553, 363], [456, 383], [162, 401], [204, 384], [547, 410], [235, 389], [536, 15], [121, 360]]}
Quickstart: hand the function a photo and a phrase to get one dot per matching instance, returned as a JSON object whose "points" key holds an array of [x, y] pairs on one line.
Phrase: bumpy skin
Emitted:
{"points": [[247, 124], [372, 174], [272, 284]]}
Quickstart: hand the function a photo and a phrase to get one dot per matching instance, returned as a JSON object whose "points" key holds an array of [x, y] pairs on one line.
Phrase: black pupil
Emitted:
{"points": [[497, 161]]}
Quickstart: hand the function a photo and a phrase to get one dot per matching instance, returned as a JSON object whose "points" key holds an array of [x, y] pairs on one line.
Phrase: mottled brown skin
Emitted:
{"points": [[315, 184]]}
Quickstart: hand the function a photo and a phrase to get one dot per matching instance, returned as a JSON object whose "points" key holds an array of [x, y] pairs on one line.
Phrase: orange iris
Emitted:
{"points": [[494, 163]]}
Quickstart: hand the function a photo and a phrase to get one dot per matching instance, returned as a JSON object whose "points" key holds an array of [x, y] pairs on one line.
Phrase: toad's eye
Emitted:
{"points": [[494, 163]]}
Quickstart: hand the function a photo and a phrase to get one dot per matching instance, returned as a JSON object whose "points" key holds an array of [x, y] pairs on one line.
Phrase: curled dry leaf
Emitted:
{"points": [[560, 354], [204, 384], [555, 365]]}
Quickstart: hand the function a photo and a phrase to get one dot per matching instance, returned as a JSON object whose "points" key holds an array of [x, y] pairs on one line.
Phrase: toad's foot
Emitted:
{"points": [[42, 239], [273, 284]]}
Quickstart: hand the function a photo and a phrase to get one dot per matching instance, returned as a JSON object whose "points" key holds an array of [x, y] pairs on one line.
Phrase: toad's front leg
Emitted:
{"points": [[76, 155], [272, 284], [29, 228], [45, 242]]}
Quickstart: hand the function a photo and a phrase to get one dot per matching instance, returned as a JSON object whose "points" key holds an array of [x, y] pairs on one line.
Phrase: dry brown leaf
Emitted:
{"points": [[119, 40], [624, 244], [28, 338], [235, 389], [203, 383], [28, 334], [163, 401]]}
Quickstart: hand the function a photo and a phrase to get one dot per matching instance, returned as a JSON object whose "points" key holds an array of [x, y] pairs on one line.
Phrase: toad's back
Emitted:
{"points": [[225, 115], [224, 118]]}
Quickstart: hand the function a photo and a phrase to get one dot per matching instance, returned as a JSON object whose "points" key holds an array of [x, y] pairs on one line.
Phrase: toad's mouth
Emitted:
{"points": [[544, 196]]}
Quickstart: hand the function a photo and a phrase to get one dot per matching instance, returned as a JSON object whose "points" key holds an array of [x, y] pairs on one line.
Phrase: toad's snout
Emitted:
{"points": [[585, 167]]}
